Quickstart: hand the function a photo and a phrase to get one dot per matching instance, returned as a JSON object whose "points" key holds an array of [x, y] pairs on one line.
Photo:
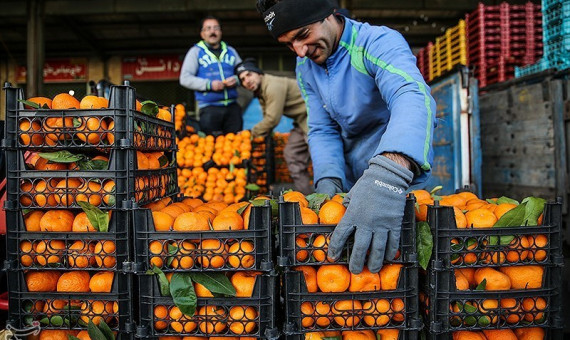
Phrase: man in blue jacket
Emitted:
{"points": [[371, 120], [208, 69]]}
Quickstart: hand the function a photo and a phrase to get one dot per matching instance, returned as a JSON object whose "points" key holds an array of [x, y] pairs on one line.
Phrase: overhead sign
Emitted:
{"points": [[58, 71], [152, 68]]}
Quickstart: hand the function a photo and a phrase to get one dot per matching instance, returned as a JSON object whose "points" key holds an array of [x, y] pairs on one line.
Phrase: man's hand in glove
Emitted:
{"points": [[329, 186], [375, 212]]}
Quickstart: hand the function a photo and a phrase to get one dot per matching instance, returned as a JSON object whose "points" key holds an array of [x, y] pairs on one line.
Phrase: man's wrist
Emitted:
{"points": [[399, 159]]}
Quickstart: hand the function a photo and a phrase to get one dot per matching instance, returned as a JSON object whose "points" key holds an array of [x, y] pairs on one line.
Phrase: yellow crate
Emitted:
{"points": [[449, 50]]}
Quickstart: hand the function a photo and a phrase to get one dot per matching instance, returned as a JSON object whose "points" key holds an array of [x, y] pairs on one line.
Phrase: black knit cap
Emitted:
{"points": [[248, 64]]}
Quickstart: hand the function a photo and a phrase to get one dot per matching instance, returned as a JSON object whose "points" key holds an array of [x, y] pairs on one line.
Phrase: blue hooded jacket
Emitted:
{"points": [[368, 98]]}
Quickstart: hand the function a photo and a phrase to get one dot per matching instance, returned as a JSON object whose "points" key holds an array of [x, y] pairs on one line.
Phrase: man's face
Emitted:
{"points": [[250, 80], [315, 41], [211, 32]]}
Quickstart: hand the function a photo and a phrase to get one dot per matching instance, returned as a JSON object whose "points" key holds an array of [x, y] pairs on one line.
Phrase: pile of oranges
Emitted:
{"points": [[529, 333], [192, 215], [194, 151], [179, 117], [89, 130], [382, 334], [212, 319], [214, 185]]}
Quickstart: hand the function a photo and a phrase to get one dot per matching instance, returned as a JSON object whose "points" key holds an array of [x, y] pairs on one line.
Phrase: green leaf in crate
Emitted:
{"points": [[491, 201], [534, 207], [149, 108], [424, 243], [183, 294], [162, 280], [76, 122], [55, 320], [504, 199], [436, 197], [71, 337], [242, 209], [232, 168], [215, 282], [482, 285], [63, 156], [512, 218], [97, 164], [94, 332], [435, 189], [30, 104], [106, 330], [252, 187], [316, 200], [332, 338], [172, 250], [484, 321], [98, 218], [201, 134], [470, 321]]}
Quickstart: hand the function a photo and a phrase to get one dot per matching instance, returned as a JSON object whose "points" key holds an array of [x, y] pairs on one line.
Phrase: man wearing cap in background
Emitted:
{"points": [[280, 96], [208, 69], [371, 120]]}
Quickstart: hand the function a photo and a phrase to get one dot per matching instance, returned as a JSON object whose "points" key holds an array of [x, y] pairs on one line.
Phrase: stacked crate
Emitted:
{"points": [[392, 309], [449, 50], [556, 40], [425, 61], [262, 170], [449, 305], [242, 255], [502, 37], [281, 169], [62, 270]]}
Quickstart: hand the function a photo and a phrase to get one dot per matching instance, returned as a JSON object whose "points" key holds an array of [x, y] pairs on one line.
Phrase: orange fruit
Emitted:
{"points": [[80, 254], [83, 335], [421, 212], [323, 313], [239, 255], [173, 211], [82, 224], [202, 291], [162, 221], [321, 245], [142, 161], [346, 312], [331, 212], [215, 316], [524, 277], [92, 129], [468, 335], [32, 220], [310, 275], [358, 335], [41, 101], [43, 198], [520, 254], [244, 282], [75, 281], [364, 282], [49, 251], [27, 259], [503, 208], [214, 253], [333, 278], [512, 310], [157, 248], [42, 281], [189, 221], [243, 319], [109, 193], [308, 216], [301, 255], [389, 334], [96, 311], [461, 282], [480, 218], [101, 282], [30, 133], [460, 219], [499, 334], [307, 313], [160, 313], [295, 196], [105, 254], [55, 334], [228, 221], [531, 333], [183, 260], [390, 275], [64, 101], [398, 310], [537, 242], [453, 201], [66, 190], [495, 279], [535, 306], [376, 312]]}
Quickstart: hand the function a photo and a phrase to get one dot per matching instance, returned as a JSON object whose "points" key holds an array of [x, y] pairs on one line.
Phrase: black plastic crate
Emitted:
{"points": [[446, 309], [549, 334], [291, 229], [52, 309], [395, 308], [248, 249], [157, 318], [93, 250], [61, 189], [119, 126]]}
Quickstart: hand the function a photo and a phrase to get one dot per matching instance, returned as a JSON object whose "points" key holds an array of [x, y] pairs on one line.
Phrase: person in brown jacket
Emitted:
{"points": [[280, 96]]}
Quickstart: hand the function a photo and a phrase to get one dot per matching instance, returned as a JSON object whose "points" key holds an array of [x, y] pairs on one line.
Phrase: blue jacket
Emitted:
{"points": [[367, 99], [201, 67]]}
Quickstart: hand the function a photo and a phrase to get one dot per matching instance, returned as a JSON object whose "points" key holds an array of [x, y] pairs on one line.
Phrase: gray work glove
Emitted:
{"points": [[375, 211], [329, 186]]}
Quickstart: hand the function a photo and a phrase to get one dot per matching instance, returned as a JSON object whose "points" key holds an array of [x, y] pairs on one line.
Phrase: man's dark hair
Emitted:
{"points": [[209, 17], [264, 5]]}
